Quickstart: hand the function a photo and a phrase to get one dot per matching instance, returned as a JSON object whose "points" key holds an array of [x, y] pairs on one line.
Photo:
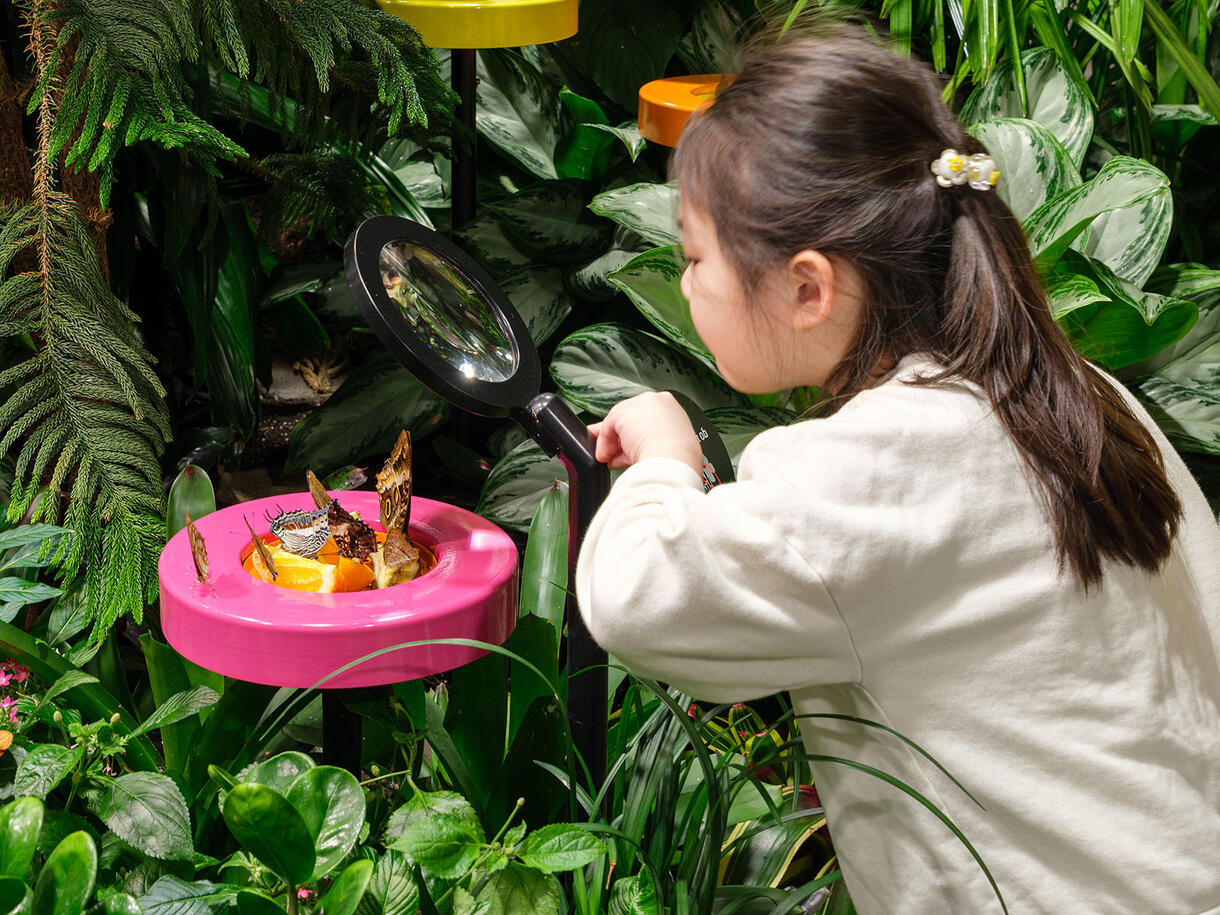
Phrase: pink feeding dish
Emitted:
{"points": [[239, 626]]}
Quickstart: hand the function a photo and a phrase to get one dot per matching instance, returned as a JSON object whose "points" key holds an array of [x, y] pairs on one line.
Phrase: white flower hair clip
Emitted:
{"points": [[978, 170]]}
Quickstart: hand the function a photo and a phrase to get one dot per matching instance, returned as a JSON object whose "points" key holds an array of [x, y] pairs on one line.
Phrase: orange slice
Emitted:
{"points": [[326, 575]]}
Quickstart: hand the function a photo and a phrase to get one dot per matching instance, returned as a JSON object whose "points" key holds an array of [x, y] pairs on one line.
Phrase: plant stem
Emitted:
{"points": [[292, 900], [490, 848]]}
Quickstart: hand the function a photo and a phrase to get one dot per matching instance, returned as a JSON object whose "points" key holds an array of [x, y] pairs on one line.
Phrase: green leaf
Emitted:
{"points": [[346, 892], [549, 221], [1034, 166], [517, 111], [1067, 292], [171, 895], [485, 241], [465, 904], [628, 133], [15, 896], [424, 805], [1121, 183], [592, 281], [1184, 398], [1131, 326], [112, 902], [444, 844], [623, 44], [278, 772], [710, 45], [1057, 101], [1130, 240], [179, 706], [169, 674], [1171, 41], [596, 367], [1197, 284], [584, 153], [331, 803], [68, 681], [67, 877], [392, 890], [250, 902], [539, 297], [560, 847], [17, 592], [650, 210], [20, 822], [519, 890], [29, 535], [652, 281], [270, 829], [633, 895], [43, 768], [147, 811], [361, 420], [190, 492], [516, 485], [544, 569]]}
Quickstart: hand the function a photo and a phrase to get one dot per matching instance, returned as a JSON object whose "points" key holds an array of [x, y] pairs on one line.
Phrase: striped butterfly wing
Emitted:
{"points": [[302, 532]]}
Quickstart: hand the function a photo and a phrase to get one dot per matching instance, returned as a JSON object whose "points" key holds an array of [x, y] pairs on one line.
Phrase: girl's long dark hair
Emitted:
{"points": [[826, 143]]}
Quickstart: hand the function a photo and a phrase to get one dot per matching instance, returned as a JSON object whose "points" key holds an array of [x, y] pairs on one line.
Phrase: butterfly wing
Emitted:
{"points": [[394, 486], [263, 552], [321, 498], [302, 532], [354, 538], [199, 552]]}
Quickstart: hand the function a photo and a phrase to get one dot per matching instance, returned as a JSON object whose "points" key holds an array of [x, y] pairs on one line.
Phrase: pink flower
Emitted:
{"points": [[5, 676], [7, 703], [20, 672], [303, 893], [12, 717], [692, 710]]}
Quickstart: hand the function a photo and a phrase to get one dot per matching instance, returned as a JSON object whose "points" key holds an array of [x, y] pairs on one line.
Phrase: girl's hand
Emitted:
{"points": [[648, 425]]}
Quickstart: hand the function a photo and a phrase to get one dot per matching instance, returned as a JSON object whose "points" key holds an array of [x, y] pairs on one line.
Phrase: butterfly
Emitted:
{"points": [[261, 547], [354, 538], [198, 551], [302, 532], [6, 741], [394, 487]]}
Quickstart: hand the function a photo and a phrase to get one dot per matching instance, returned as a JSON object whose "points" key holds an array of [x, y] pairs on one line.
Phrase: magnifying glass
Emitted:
{"points": [[441, 315]]}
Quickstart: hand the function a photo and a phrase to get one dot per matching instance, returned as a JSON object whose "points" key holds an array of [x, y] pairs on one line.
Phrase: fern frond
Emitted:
{"points": [[322, 190]]}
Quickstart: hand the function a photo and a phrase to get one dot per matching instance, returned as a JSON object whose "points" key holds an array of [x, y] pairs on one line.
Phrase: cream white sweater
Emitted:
{"points": [[893, 563]]}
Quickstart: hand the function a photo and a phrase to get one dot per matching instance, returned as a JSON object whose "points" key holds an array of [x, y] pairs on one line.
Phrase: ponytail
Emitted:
{"points": [[947, 271]]}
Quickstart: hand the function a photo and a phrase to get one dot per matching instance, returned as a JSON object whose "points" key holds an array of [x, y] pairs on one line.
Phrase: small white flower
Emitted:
{"points": [[979, 170], [950, 168]]}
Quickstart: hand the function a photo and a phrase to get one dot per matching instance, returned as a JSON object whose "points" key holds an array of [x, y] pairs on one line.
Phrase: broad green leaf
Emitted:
{"points": [[710, 45], [652, 281], [592, 281], [270, 829], [20, 822], [517, 111], [1184, 398], [17, 592], [190, 492], [346, 892], [651, 210], [544, 569], [738, 426], [362, 419], [331, 803], [1192, 65], [535, 642], [1121, 183], [1056, 101], [15, 896], [516, 485], [598, 366], [519, 890], [66, 881], [43, 768], [1131, 240], [549, 220], [584, 152], [230, 339], [392, 889], [28, 535], [147, 811], [633, 896], [112, 902], [426, 804], [1130, 327], [171, 674], [540, 299], [485, 241], [623, 44], [629, 134], [179, 706], [1034, 166], [443, 844], [278, 772], [1068, 292], [1197, 284], [69, 680], [560, 847], [465, 904], [172, 895], [250, 902]]}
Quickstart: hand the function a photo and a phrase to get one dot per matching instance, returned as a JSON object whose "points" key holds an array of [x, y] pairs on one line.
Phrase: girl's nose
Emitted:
{"points": [[684, 283]]}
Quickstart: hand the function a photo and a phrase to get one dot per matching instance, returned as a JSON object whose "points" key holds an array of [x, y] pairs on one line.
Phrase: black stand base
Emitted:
{"points": [[340, 733]]}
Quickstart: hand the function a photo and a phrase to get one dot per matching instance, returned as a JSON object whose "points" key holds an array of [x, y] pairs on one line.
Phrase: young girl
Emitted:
{"points": [[988, 547]]}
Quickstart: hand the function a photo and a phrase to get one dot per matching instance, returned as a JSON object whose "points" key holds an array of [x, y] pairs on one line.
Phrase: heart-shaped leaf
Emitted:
{"points": [[331, 803], [650, 210], [560, 847]]}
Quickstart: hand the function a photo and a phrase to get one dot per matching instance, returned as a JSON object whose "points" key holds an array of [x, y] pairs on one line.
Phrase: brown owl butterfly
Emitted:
{"points": [[394, 487], [262, 548], [354, 538], [198, 551], [6, 741]]}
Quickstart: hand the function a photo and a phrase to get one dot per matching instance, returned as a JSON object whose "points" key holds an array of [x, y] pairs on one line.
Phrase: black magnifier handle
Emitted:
{"points": [[717, 467]]}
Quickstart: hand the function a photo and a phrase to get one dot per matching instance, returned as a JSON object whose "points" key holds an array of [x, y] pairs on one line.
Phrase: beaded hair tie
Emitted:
{"points": [[978, 170]]}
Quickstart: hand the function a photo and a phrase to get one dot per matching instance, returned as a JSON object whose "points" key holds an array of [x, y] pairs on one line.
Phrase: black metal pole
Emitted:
{"points": [[340, 734], [463, 75], [588, 484]]}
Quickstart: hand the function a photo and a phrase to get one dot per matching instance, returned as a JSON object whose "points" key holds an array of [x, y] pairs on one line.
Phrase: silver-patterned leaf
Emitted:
{"points": [[549, 221], [1121, 183], [516, 485], [651, 210], [738, 425], [652, 282], [518, 112], [1130, 240], [1194, 283], [1056, 101], [1072, 291], [710, 45], [592, 281], [1034, 166], [539, 297], [1184, 398], [598, 366], [629, 134]]}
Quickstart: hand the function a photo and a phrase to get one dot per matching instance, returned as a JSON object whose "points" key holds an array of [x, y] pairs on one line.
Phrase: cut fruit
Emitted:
{"points": [[327, 574]]}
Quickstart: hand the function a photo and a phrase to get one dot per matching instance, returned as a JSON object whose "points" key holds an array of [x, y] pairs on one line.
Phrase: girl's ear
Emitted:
{"points": [[811, 286]]}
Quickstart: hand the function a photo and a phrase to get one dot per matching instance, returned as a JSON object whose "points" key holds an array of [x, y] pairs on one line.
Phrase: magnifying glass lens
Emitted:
{"points": [[449, 316]]}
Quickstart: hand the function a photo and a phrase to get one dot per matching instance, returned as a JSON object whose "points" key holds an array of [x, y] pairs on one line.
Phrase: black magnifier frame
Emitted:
{"points": [[362, 264]]}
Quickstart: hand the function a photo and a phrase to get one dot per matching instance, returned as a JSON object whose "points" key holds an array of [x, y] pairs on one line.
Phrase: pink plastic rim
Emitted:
{"points": [[244, 628]]}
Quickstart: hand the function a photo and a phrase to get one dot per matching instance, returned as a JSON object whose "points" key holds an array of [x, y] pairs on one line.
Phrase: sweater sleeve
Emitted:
{"points": [[702, 591]]}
